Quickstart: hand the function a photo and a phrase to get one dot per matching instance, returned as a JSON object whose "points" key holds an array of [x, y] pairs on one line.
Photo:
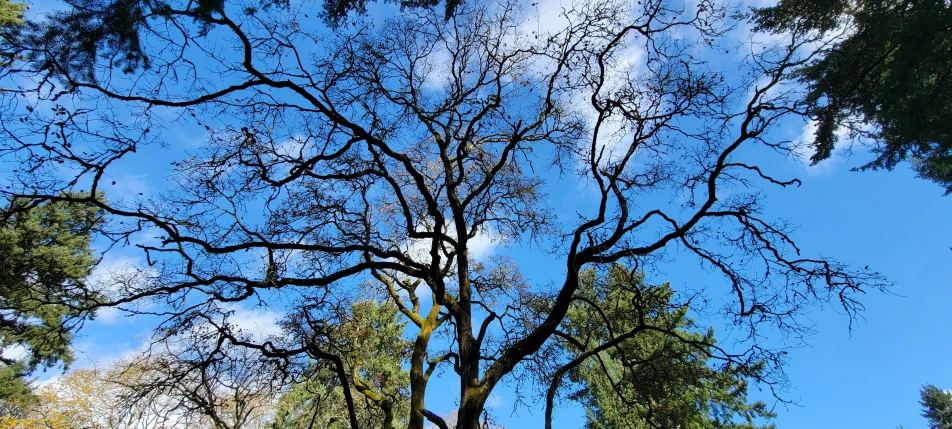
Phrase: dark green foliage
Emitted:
{"points": [[15, 394], [44, 261], [823, 15], [663, 376], [937, 407], [92, 29], [335, 11], [88, 30], [892, 72]]}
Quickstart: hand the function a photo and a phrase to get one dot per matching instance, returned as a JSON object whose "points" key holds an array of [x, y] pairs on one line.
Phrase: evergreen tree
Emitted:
{"points": [[11, 22], [11, 14], [937, 407], [371, 339], [664, 374], [890, 69], [45, 257]]}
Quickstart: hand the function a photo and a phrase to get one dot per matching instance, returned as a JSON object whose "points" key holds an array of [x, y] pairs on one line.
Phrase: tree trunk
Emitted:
{"points": [[471, 404]]}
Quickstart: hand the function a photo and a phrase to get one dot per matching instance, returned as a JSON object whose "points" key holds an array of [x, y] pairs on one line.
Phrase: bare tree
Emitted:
{"points": [[193, 383], [383, 151], [227, 391]]}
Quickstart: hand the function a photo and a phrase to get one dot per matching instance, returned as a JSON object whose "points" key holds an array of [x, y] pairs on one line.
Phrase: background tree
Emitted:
{"points": [[11, 22], [45, 258], [647, 365], [936, 407], [885, 76], [115, 29], [337, 11], [374, 352], [11, 14], [83, 398], [152, 391], [386, 151], [197, 384]]}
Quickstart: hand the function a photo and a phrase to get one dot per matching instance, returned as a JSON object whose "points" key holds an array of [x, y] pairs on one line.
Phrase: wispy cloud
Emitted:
{"points": [[802, 151], [494, 401], [258, 322]]}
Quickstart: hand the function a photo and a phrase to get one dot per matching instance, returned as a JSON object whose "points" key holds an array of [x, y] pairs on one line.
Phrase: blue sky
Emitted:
{"points": [[867, 377], [871, 377]]}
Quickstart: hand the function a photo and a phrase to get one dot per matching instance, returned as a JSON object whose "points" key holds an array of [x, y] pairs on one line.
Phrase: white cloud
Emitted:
{"points": [[480, 246], [257, 322], [109, 316], [119, 274], [129, 186], [14, 352], [494, 401], [546, 16], [148, 236], [546, 19], [52, 380], [436, 71], [90, 353], [802, 151]]}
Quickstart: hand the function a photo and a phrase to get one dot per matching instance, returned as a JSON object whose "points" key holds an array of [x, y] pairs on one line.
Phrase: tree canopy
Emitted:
{"points": [[111, 398], [371, 342], [11, 21], [655, 372], [45, 258], [11, 14], [936, 407], [883, 76], [368, 163], [662, 374], [88, 29]]}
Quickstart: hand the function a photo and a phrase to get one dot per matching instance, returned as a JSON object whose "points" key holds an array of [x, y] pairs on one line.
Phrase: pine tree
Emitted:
{"points": [[937, 407], [45, 258], [664, 373], [886, 78]]}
